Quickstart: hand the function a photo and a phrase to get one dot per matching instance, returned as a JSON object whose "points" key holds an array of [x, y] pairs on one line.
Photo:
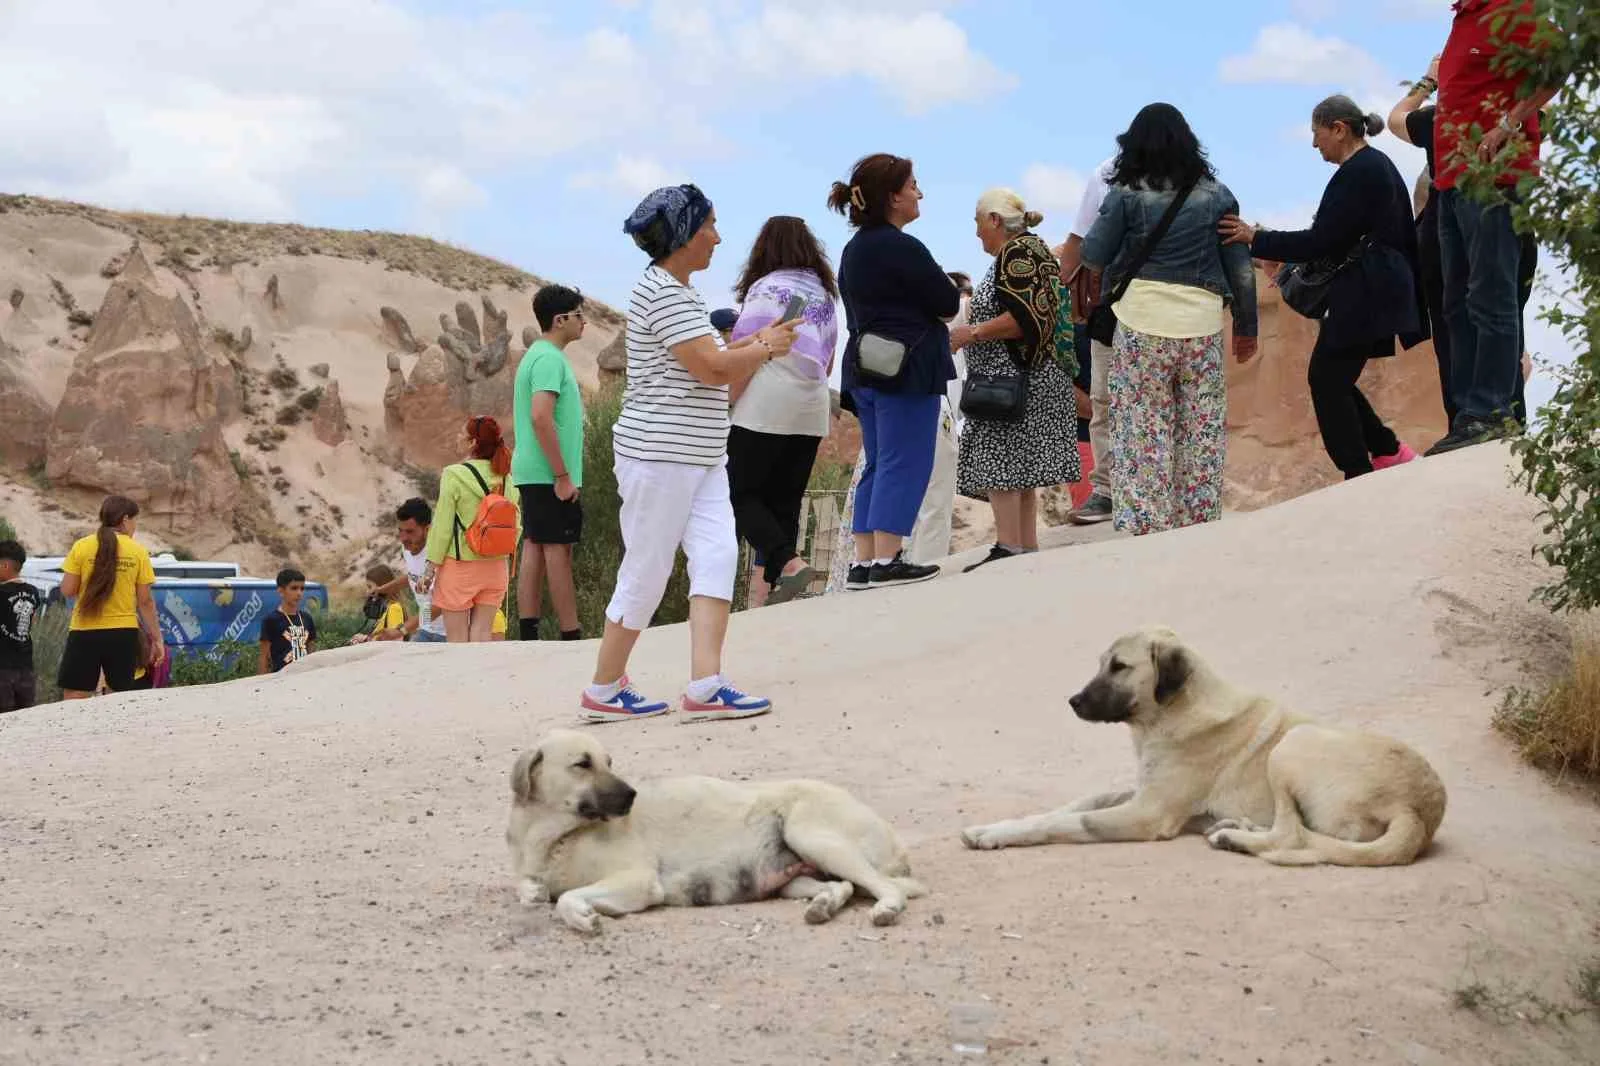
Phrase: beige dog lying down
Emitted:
{"points": [[1214, 758], [587, 839]]}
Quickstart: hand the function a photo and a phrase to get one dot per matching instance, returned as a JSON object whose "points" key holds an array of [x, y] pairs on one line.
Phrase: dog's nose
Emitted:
{"points": [[1075, 700]]}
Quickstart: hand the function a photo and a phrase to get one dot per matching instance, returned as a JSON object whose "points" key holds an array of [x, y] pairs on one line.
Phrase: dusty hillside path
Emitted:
{"points": [[312, 869]]}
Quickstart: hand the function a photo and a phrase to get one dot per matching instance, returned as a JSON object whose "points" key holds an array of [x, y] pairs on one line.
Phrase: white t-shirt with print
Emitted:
{"points": [[1094, 195], [667, 415], [415, 565]]}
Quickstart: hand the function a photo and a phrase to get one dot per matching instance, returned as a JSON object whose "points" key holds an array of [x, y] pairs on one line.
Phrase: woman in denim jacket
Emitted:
{"points": [[1168, 398]]}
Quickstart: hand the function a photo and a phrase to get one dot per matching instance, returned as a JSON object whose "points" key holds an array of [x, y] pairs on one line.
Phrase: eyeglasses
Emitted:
{"points": [[570, 314]]}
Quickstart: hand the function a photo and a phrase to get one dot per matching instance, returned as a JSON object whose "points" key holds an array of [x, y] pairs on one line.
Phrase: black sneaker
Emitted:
{"points": [[995, 552], [1466, 435], [900, 572], [859, 577], [1095, 509]]}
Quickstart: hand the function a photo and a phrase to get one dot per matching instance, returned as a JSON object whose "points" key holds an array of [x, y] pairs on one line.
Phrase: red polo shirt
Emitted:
{"points": [[1472, 90]]}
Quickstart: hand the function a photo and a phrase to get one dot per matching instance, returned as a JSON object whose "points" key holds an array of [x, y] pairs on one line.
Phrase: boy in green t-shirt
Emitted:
{"points": [[547, 463]]}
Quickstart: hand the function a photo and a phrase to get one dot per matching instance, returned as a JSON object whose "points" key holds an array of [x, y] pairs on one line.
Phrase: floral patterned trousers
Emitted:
{"points": [[1168, 407]]}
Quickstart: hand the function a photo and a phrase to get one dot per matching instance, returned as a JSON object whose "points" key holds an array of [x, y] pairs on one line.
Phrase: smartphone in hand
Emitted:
{"points": [[796, 307]]}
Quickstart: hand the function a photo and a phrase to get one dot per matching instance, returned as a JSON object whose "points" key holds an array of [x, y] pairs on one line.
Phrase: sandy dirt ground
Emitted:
{"points": [[312, 868]]}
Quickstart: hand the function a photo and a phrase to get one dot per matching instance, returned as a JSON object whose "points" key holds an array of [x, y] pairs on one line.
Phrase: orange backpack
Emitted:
{"points": [[494, 532]]}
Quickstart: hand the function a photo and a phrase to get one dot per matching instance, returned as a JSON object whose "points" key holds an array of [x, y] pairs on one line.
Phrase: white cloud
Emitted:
{"points": [[358, 97], [629, 176], [1286, 53], [1055, 192]]}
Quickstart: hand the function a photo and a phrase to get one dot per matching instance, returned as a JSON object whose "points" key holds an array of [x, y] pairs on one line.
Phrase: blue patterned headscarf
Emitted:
{"points": [[665, 220]]}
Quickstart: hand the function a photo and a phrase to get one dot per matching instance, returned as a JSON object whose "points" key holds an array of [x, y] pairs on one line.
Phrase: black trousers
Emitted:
{"points": [[767, 478], [1352, 432]]}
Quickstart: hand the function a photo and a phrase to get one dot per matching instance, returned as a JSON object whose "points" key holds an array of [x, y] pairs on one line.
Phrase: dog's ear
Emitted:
{"points": [[1173, 668], [522, 772]]}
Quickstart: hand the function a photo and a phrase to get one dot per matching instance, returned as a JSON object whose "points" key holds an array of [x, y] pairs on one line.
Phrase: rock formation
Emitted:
{"points": [[329, 423], [397, 331], [273, 299], [529, 335], [24, 414], [144, 408], [612, 361], [424, 412], [481, 351], [394, 393]]}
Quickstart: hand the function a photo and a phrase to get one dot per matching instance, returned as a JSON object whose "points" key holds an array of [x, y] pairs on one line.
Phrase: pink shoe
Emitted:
{"points": [[1384, 462]]}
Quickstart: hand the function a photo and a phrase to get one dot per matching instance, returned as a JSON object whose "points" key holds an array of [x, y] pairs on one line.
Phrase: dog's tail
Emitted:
{"points": [[1404, 839]]}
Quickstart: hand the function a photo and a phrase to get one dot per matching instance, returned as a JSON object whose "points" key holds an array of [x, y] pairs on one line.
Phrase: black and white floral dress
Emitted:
{"points": [[1037, 452]]}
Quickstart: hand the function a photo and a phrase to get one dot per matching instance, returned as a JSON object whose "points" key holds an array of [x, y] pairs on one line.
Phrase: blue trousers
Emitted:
{"points": [[1479, 254], [898, 433]]}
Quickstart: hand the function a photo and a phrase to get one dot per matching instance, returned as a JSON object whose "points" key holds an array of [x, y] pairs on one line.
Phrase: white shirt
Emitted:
{"points": [[415, 565], [1093, 195], [667, 415]]}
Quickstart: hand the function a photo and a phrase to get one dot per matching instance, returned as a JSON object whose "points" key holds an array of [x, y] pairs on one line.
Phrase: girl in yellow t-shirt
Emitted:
{"points": [[109, 575], [387, 614]]}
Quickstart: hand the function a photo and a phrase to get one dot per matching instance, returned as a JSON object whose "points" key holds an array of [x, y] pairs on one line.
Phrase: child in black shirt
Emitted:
{"points": [[18, 603]]}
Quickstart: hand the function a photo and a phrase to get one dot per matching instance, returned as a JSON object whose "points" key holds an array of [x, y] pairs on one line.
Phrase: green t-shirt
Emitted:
{"points": [[545, 369]]}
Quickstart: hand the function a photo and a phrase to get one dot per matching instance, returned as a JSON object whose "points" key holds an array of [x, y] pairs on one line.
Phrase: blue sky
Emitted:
{"points": [[527, 130]]}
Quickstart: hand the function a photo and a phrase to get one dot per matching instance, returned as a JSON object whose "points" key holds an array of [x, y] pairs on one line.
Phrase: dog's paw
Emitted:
{"points": [[820, 910], [532, 892], [885, 913], [1242, 824], [982, 837], [578, 915], [1227, 840]]}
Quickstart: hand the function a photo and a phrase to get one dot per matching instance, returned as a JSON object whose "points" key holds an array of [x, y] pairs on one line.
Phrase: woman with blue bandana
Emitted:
{"points": [[670, 445]]}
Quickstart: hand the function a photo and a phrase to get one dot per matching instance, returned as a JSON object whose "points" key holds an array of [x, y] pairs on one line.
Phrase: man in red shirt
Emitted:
{"points": [[1479, 248]]}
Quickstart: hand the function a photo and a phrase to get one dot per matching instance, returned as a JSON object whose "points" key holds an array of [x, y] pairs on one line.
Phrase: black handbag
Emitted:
{"points": [[996, 397], [1305, 286], [1102, 320]]}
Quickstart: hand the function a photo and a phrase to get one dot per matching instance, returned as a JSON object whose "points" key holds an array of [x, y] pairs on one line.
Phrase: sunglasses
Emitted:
{"points": [[571, 314]]}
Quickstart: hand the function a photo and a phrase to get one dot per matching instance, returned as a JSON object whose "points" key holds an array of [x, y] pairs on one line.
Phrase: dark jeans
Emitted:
{"points": [[767, 477], [1352, 432], [1433, 291], [1479, 256]]}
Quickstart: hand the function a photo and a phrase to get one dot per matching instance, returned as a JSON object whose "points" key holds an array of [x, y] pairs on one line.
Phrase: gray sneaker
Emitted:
{"points": [[1095, 509]]}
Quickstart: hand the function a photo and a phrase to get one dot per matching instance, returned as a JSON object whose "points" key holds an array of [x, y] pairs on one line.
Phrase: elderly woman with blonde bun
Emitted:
{"points": [[1010, 452]]}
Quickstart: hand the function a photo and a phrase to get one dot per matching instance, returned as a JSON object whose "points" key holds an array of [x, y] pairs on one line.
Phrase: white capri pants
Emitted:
{"points": [[665, 505]]}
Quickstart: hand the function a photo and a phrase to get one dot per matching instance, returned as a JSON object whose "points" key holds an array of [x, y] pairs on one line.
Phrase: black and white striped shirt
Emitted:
{"points": [[668, 416]]}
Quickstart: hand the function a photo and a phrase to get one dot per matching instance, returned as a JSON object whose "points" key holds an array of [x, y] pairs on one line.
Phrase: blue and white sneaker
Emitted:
{"points": [[625, 706], [728, 703]]}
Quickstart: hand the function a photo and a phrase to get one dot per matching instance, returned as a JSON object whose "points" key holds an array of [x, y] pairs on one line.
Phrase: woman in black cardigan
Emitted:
{"points": [[1370, 302], [894, 290]]}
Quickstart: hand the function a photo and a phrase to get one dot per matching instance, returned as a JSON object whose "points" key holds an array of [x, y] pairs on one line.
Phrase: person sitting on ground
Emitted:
{"points": [[110, 575], [1364, 218], [289, 633], [781, 414], [467, 587], [19, 604], [1011, 334], [547, 464], [384, 612], [671, 446]]}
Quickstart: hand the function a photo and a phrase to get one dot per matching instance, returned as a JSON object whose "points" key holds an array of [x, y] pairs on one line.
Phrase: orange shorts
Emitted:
{"points": [[462, 584]]}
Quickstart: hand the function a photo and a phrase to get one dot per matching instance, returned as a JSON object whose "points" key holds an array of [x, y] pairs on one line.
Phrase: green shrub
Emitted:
{"points": [[49, 640], [1560, 464], [7, 530], [227, 660]]}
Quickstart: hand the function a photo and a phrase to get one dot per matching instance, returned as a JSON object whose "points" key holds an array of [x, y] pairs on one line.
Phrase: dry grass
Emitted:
{"points": [[1558, 729], [197, 243]]}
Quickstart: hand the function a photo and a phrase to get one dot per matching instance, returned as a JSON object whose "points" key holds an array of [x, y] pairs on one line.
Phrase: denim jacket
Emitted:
{"points": [[1191, 253]]}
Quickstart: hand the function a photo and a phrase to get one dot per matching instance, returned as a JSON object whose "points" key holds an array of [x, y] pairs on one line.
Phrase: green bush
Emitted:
{"points": [[7, 530], [227, 660], [49, 640], [1560, 463]]}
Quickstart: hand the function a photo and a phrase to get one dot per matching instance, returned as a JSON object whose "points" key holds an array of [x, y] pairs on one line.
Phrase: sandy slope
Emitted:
{"points": [[311, 869]]}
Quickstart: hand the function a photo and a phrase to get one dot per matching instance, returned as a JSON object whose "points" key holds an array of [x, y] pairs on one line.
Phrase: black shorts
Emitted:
{"points": [[16, 689], [91, 651], [546, 519]]}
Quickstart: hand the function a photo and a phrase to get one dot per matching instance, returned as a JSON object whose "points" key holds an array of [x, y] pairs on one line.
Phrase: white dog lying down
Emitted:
{"points": [[1214, 758], [587, 839]]}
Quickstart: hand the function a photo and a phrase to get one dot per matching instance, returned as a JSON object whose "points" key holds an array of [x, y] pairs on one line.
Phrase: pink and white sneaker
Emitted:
{"points": [[1384, 462]]}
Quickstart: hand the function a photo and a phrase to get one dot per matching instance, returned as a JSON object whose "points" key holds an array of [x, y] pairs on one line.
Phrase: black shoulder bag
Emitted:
{"points": [[1102, 320], [1305, 286]]}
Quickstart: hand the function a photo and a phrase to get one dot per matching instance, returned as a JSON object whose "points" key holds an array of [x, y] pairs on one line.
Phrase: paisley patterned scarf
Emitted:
{"points": [[1027, 283]]}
